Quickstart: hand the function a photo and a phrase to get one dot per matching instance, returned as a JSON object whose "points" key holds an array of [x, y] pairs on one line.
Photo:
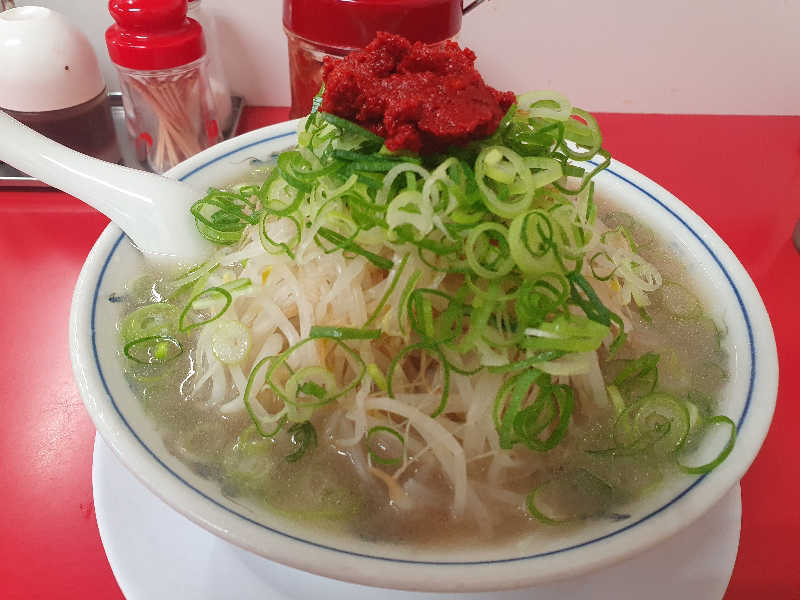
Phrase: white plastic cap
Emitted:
{"points": [[47, 63]]}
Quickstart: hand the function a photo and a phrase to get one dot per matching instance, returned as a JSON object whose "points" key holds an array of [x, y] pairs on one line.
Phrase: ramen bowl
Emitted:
{"points": [[748, 398]]}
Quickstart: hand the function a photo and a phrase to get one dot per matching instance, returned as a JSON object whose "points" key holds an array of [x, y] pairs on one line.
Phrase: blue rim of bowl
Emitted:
{"points": [[609, 170]]}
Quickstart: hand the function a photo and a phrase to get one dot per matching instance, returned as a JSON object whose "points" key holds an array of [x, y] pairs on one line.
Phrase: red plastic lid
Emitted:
{"points": [[153, 34], [351, 24]]}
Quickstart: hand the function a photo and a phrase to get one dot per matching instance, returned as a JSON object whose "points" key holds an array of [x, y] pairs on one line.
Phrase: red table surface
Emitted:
{"points": [[741, 174]]}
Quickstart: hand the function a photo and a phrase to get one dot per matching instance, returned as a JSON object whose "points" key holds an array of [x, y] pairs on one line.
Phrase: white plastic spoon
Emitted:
{"points": [[151, 209]]}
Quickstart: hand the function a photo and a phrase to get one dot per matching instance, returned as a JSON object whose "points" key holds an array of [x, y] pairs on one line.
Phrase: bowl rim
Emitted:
{"points": [[381, 571]]}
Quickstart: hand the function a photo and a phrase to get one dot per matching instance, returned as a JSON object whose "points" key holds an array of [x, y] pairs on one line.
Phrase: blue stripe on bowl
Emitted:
{"points": [[432, 563]]}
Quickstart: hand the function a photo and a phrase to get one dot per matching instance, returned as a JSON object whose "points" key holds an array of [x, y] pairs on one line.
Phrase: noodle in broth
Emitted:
{"points": [[435, 351]]}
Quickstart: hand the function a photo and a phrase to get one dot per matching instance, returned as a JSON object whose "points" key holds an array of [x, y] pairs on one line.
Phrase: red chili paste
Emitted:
{"points": [[418, 97]]}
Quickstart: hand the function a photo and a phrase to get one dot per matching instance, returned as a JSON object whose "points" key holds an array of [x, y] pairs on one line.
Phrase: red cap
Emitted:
{"points": [[352, 24], [153, 34]]}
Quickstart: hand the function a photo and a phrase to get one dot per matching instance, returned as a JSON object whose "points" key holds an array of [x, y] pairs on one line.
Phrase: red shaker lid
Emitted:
{"points": [[153, 34], [352, 24]]}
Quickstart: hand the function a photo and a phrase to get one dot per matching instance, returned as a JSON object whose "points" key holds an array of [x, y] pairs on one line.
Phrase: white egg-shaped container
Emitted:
{"points": [[47, 62]]}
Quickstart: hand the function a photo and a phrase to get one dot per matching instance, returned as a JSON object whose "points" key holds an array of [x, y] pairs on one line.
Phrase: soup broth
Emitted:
{"points": [[392, 484]]}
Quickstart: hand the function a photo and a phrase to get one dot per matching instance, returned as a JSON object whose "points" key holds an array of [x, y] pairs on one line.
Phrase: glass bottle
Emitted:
{"points": [[160, 55], [319, 28], [216, 72]]}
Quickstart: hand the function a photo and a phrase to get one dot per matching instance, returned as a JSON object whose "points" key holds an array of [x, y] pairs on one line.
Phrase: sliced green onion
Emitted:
{"points": [[570, 497], [348, 245], [196, 274], [654, 412], [371, 164], [421, 315], [638, 377], [532, 244], [409, 208], [659, 423], [291, 165], [205, 295], [230, 341], [250, 443], [527, 362], [616, 399], [385, 298], [535, 418], [374, 371], [275, 247], [280, 198], [588, 177], [221, 217], [288, 393], [528, 424], [316, 102], [153, 349], [374, 455], [541, 297], [344, 333], [631, 439], [479, 319], [498, 170], [487, 251], [304, 436], [548, 170], [609, 266], [236, 287], [582, 294], [509, 402], [407, 290], [310, 387], [545, 103], [278, 419], [350, 128], [570, 333], [723, 454], [586, 134], [154, 319]]}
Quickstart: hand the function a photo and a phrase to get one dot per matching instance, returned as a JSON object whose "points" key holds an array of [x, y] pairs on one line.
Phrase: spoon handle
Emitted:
{"points": [[151, 209]]}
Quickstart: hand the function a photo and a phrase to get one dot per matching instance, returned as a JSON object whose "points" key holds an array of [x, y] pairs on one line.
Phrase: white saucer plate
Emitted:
{"points": [[158, 554]]}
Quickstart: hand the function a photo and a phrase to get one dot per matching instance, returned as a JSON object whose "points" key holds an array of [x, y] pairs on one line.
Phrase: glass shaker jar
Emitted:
{"points": [[216, 73], [160, 55], [319, 28]]}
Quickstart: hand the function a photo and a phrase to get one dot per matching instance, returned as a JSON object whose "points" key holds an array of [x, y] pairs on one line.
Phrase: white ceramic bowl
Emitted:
{"points": [[748, 398]]}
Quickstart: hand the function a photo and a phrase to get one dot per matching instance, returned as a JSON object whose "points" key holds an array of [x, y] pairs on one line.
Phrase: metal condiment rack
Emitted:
{"points": [[11, 178]]}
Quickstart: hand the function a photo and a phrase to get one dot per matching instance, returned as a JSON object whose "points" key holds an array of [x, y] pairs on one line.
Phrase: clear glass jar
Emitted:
{"points": [[305, 70], [161, 58], [170, 112], [319, 28], [216, 73]]}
